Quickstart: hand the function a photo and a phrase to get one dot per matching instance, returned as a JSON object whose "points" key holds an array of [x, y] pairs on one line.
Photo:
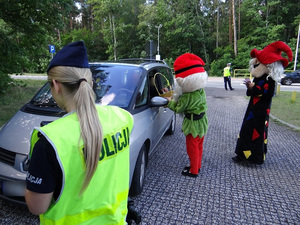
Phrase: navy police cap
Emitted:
{"points": [[74, 55]]}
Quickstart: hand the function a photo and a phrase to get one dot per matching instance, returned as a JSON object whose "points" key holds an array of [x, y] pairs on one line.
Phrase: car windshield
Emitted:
{"points": [[44, 97], [113, 84]]}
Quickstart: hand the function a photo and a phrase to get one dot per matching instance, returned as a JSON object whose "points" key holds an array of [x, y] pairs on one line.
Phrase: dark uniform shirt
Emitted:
{"points": [[45, 169]]}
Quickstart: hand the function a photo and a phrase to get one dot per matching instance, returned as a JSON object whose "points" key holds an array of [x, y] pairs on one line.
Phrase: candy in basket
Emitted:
{"points": [[167, 91]]}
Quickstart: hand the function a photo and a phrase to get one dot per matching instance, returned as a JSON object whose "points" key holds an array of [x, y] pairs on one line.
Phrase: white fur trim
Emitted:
{"points": [[177, 92], [192, 82]]}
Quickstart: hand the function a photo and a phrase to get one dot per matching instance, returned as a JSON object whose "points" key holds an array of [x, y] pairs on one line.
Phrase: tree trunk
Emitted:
{"points": [[217, 31], [115, 39], [70, 22], [234, 28], [268, 9], [92, 18], [113, 34], [239, 29], [201, 29], [230, 22], [58, 35]]}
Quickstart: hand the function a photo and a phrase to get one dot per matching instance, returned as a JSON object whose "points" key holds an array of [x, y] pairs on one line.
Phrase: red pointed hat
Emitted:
{"points": [[188, 64], [272, 53]]}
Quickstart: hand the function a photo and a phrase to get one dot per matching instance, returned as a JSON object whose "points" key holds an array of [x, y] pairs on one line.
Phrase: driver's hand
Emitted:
{"points": [[169, 98]]}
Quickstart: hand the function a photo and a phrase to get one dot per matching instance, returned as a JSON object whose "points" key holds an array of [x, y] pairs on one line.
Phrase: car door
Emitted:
{"points": [[167, 84], [297, 77], [159, 78]]}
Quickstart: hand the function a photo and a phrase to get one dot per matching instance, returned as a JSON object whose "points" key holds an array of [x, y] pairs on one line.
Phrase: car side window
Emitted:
{"points": [[160, 81], [166, 79], [154, 83], [142, 96]]}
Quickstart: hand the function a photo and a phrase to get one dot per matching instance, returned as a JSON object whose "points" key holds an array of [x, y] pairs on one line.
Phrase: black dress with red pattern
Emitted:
{"points": [[252, 141]]}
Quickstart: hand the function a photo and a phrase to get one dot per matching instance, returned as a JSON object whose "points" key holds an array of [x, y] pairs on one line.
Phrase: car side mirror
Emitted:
{"points": [[158, 101]]}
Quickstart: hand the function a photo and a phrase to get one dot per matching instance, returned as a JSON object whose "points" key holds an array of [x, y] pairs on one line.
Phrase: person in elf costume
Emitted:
{"points": [[266, 66], [189, 98]]}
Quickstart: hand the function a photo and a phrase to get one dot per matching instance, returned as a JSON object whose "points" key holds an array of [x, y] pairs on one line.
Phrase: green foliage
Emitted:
{"points": [[217, 66], [226, 56], [5, 80], [26, 29], [93, 41], [122, 28]]}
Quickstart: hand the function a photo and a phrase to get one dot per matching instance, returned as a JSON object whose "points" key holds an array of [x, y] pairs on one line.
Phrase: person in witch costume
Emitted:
{"points": [[266, 66], [189, 98]]}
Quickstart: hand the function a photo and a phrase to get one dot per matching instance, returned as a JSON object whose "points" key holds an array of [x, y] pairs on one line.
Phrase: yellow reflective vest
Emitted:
{"points": [[227, 71], [105, 199]]}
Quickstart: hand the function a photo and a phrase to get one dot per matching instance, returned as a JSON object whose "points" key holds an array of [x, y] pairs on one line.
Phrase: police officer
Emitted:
{"points": [[227, 76], [79, 167]]}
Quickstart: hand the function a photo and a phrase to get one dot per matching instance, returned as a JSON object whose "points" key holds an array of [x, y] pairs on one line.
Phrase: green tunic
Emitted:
{"points": [[192, 102]]}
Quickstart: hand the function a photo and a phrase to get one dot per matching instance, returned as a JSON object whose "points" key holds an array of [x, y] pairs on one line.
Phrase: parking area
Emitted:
{"points": [[224, 192]]}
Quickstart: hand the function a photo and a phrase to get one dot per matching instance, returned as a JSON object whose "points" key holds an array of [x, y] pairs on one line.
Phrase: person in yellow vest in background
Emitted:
{"points": [[79, 164], [227, 76]]}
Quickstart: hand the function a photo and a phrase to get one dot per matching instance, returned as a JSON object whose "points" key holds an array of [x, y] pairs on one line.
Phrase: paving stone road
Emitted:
{"points": [[224, 192]]}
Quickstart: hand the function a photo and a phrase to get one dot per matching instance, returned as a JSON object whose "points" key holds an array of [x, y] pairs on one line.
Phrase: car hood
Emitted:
{"points": [[16, 133]]}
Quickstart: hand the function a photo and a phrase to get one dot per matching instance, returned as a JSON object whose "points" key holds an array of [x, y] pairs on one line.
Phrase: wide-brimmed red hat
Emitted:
{"points": [[188, 64], [272, 53]]}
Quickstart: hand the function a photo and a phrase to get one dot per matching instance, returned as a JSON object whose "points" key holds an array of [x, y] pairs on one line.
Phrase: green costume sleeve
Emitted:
{"points": [[180, 106]]}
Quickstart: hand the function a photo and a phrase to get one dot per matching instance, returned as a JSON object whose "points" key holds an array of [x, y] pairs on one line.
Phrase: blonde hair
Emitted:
{"points": [[84, 98]]}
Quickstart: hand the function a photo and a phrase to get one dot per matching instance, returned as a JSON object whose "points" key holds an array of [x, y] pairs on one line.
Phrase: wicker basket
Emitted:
{"points": [[165, 94]]}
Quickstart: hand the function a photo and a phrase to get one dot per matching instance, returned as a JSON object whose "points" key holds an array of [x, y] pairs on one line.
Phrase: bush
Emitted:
{"points": [[5, 82], [217, 66]]}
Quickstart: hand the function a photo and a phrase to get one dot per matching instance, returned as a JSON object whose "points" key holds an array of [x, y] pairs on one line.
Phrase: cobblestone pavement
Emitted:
{"points": [[224, 192]]}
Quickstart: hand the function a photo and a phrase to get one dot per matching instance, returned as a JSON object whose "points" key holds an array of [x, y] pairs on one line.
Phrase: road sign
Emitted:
{"points": [[151, 48], [51, 48]]}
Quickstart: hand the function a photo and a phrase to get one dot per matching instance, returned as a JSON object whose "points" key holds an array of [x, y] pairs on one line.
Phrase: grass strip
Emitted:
{"points": [[285, 109], [16, 96]]}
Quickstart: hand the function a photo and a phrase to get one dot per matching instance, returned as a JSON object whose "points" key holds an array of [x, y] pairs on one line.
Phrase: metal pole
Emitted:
{"points": [[296, 54], [151, 46], [158, 27], [158, 41]]}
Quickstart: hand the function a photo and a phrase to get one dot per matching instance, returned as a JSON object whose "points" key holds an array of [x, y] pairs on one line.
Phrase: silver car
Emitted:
{"points": [[132, 85]]}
